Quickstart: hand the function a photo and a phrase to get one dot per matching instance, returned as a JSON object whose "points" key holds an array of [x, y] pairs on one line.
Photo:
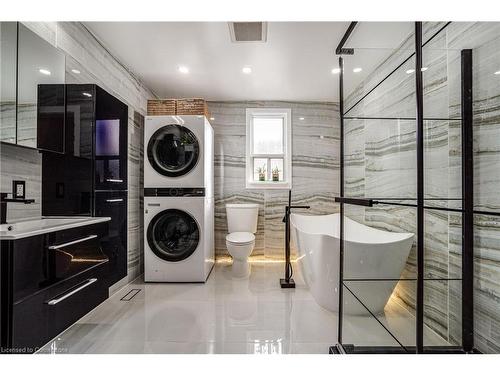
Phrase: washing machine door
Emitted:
{"points": [[173, 235], [173, 150]]}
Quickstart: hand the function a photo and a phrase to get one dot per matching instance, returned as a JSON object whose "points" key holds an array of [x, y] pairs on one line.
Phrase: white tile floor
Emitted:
{"points": [[223, 315]]}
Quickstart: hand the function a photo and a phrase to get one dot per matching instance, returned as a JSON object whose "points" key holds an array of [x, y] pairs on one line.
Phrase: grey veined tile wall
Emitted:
{"points": [[315, 169], [380, 162], [96, 65], [19, 163]]}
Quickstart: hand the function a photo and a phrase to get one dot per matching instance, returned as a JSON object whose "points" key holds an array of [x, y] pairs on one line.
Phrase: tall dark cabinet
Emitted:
{"points": [[89, 178]]}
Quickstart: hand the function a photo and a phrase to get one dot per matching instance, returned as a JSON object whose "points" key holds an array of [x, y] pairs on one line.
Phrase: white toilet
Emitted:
{"points": [[241, 225]]}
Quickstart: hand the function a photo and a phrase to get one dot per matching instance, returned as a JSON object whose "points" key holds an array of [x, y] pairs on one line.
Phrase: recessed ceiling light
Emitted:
{"points": [[87, 94], [212, 118], [424, 69], [301, 118], [357, 70], [76, 71], [335, 70], [183, 69], [44, 71], [246, 70], [497, 73], [410, 71]]}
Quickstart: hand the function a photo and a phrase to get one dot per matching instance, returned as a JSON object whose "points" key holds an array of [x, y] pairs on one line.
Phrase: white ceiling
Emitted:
{"points": [[294, 64]]}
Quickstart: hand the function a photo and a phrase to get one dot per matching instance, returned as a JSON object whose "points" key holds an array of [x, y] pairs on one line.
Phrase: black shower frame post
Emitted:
{"points": [[467, 202], [341, 240], [420, 189]]}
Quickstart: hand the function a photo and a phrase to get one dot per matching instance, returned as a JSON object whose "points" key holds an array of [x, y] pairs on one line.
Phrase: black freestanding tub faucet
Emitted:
{"points": [[288, 282]]}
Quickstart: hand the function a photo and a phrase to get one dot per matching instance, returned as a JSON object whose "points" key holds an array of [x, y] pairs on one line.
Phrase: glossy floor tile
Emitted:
{"points": [[224, 315]]}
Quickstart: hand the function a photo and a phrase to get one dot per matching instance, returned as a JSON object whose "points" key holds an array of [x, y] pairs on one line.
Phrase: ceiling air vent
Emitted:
{"points": [[248, 31]]}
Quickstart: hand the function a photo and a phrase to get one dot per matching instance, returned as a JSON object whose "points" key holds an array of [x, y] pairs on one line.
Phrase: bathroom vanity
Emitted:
{"points": [[79, 129], [52, 272]]}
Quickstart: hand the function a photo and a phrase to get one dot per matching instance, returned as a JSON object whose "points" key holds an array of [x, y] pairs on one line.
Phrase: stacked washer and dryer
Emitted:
{"points": [[178, 199]]}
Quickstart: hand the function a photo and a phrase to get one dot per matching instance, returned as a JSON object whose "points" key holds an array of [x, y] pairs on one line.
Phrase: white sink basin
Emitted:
{"points": [[22, 229]]}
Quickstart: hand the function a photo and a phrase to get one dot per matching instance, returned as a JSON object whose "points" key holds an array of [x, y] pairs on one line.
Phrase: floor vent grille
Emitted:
{"points": [[130, 294]]}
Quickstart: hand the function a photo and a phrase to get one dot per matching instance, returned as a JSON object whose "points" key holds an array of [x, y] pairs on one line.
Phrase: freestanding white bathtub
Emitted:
{"points": [[369, 253]]}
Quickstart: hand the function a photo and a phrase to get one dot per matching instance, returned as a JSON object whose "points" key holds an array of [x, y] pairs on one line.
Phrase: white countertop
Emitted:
{"points": [[28, 228]]}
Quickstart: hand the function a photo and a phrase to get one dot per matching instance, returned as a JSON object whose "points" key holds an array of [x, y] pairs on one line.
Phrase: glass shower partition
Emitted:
{"points": [[443, 67], [378, 283], [402, 148]]}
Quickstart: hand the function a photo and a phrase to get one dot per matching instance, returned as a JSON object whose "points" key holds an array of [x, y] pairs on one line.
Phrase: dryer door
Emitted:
{"points": [[173, 150], [173, 235]]}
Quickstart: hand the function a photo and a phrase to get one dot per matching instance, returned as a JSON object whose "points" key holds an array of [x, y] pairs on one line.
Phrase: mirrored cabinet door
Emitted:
{"points": [[41, 68], [8, 61]]}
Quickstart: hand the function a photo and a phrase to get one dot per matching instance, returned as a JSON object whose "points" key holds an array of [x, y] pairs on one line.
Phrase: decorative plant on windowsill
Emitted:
{"points": [[262, 173], [276, 174]]}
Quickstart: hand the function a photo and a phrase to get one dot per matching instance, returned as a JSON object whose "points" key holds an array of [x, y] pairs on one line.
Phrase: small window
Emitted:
{"points": [[269, 148]]}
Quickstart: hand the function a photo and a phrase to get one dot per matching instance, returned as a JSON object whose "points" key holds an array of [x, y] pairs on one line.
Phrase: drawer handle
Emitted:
{"points": [[55, 247], [53, 302], [114, 200], [113, 180]]}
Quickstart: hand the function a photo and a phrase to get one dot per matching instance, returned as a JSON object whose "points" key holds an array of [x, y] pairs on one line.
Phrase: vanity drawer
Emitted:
{"points": [[37, 319], [74, 234], [40, 262]]}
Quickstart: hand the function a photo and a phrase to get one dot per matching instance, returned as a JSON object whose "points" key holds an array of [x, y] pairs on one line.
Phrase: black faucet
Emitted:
{"points": [[288, 282], [3, 205]]}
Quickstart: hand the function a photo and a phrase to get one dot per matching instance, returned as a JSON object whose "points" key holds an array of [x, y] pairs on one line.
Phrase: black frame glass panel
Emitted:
{"points": [[444, 205]]}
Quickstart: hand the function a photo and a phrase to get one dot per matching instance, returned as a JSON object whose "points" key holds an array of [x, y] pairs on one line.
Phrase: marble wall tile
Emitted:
{"points": [[8, 121], [390, 158], [315, 169], [46, 30], [26, 124], [487, 283], [19, 163], [135, 194]]}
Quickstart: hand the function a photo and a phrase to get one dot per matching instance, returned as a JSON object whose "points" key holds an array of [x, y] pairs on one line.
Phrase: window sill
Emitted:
{"points": [[269, 185]]}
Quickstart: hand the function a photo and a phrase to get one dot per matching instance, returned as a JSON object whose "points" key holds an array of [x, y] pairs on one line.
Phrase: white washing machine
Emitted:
{"points": [[178, 152], [178, 235]]}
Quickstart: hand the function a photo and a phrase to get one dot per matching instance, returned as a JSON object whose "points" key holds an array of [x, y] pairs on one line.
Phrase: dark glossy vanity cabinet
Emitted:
{"points": [[48, 282], [50, 117], [90, 177], [113, 204]]}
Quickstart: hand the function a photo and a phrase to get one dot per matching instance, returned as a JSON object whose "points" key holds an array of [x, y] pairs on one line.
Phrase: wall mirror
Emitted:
{"points": [[40, 92], [8, 61]]}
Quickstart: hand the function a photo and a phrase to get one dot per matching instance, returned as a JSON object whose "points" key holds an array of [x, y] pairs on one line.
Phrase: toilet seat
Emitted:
{"points": [[240, 238]]}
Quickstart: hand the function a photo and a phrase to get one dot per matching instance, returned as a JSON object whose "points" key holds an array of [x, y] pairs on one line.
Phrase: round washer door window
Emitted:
{"points": [[173, 150], [173, 235]]}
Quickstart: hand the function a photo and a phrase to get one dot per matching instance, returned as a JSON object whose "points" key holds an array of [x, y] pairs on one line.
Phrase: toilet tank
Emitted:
{"points": [[242, 217]]}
